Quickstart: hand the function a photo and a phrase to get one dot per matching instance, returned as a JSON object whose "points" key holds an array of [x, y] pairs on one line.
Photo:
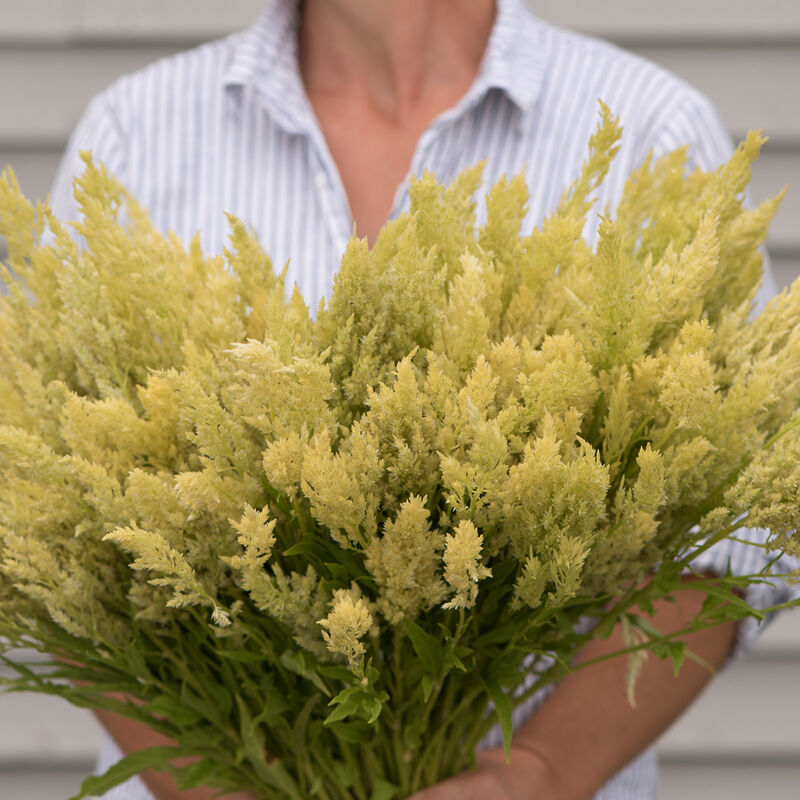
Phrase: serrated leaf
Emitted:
{"points": [[676, 651], [737, 607]]}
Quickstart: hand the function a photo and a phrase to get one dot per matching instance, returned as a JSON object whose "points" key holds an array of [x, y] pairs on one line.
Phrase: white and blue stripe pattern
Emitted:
{"points": [[227, 127]]}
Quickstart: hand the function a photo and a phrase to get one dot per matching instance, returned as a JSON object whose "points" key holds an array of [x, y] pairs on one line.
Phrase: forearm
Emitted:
{"points": [[131, 736], [587, 730]]}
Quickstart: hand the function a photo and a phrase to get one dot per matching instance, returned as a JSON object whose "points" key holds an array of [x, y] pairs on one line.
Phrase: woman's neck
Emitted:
{"points": [[394, 54]]}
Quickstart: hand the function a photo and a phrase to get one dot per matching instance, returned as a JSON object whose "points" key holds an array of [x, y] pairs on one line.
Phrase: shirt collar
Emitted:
{"points": [[515, 57], [265, 60]]}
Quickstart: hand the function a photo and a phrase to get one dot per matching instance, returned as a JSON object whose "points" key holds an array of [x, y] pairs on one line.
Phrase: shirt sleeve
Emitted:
{"points": [[696, 123], [101, 132]]}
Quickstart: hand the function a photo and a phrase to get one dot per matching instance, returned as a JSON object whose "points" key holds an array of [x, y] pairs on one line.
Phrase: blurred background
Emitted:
{"points": [[741, 739]]}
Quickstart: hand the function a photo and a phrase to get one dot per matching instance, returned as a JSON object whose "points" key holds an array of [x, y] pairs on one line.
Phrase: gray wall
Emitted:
{"points": [[742, 737]]}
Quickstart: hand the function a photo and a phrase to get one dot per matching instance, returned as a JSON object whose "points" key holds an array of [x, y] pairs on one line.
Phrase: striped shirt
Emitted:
{"points": [[228, 127]]}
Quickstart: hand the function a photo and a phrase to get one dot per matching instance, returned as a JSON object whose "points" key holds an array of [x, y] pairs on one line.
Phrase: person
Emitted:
{"points": [[311, 122]]}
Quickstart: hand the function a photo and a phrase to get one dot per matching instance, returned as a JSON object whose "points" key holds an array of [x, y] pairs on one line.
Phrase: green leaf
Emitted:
{"points": [[357, 700], [345, 772], [427, 687], [222, 698], [675, 650], [737, 607], [347, 558], [347, 702], [502, 706], [428, 649], [201, 773], [175, 711], [373, 707], [295, 661], [336, 673], [252, 737], [498, 635], [412, 733], [307, 546], [353, 731], [244, 656], [644, 625], [300, 726], [451, 660], [133, 764], [337, 571], [383, 790], [254, 750], [501, 584]]}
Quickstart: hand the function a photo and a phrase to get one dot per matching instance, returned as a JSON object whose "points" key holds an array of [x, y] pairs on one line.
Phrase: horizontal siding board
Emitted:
{"points": [[65, 21], [725, 780], [754, 86], [43, 782], [749, 710], [786, 268], [741, 54], [53, 86], [678, 781], [678, 20], [42, 728], [771, 173], [782, 637], [712, 20]]}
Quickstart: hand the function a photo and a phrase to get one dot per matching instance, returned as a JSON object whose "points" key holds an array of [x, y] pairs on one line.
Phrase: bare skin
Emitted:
{"points": [[385, 70], [377, 74], [581, 736], [586, 731], [131, 736]]}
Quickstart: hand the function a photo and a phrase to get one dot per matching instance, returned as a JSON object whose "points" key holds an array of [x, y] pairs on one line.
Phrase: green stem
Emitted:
{"points": [[372, 766], [458, 748], [359, 789], [441, 725], [337, 792]]}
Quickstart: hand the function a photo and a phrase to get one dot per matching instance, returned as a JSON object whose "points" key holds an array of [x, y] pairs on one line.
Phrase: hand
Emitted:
{"points": [[525, 776]]}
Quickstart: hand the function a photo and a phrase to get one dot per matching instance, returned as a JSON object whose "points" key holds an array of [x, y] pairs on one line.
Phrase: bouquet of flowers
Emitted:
{"points": [[327, 553]]}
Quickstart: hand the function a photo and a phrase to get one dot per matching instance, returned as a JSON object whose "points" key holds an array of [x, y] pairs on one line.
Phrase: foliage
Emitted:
{"points": [[343, 540]]}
